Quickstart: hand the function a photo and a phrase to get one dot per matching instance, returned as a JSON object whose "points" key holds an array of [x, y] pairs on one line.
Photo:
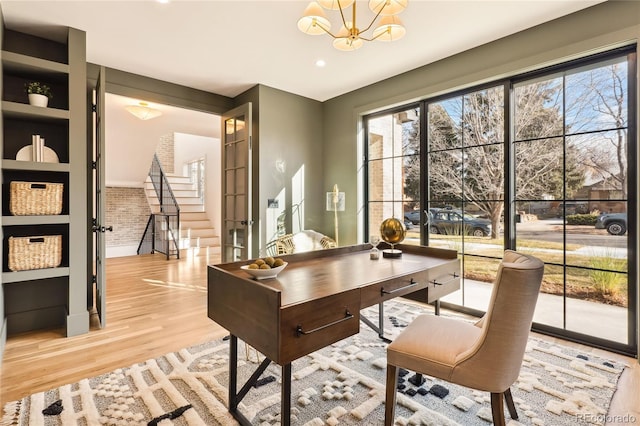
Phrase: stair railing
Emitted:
{"points": [[162, 233]]}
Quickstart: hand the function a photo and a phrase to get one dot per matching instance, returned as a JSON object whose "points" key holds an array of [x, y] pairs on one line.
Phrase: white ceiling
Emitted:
{"points": [[226, 47], [129, 139]]}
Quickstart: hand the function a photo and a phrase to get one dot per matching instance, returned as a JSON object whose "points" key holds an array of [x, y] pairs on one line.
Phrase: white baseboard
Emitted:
{"points": [[121, 251]]}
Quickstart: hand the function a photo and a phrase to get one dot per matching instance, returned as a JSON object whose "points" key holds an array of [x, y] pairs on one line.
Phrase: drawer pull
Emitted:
{"points": [[454, 276], [299, 330], [412, 283]]}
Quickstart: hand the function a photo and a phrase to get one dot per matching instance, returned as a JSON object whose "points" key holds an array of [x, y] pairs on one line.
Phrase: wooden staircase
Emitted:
{"points": [[197, 234]]}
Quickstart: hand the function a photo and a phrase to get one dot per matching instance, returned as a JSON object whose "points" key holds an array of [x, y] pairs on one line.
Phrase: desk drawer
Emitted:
{"points": [[442, 285], [379, 292], [440, 282], [309, 326]]}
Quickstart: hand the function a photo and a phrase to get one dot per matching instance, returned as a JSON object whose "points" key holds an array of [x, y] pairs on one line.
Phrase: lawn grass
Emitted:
{"points": [[599, 278]]}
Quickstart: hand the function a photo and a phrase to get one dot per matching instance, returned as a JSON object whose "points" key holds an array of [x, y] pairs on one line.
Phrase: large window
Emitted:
{"points": [[393, 170], [537, 163], [572, 126]]}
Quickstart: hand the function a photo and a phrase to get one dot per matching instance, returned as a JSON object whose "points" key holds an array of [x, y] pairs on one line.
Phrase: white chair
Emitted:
{"points": [[485, 356]]}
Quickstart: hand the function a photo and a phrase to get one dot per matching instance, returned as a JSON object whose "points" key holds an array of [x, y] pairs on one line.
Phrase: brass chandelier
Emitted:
{"points": [[350, 37]]}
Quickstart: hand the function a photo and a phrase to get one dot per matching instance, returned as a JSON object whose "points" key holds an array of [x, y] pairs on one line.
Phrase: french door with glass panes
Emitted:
{"points": [[236, 183]]}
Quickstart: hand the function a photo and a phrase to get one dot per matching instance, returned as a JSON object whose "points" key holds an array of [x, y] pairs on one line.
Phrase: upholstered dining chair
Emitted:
{"points": [[486, 355]]}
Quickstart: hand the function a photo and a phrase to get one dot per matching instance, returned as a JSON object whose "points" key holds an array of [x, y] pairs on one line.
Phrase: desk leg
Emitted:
{"points": [[437, 304], [233, 374], [285, 403], [234, 396], [380, 328]]}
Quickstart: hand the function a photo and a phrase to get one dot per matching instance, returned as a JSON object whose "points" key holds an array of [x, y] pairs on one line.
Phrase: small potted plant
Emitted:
{"points": [[39, 93]]}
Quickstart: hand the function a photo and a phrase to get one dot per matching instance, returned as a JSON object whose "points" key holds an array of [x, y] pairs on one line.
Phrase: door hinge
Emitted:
{"points": [[94, 279], [94, 107], [94, 165]]}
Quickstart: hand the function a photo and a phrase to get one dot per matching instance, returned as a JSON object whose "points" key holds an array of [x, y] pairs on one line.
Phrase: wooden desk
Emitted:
{"points": [[316, 301]]}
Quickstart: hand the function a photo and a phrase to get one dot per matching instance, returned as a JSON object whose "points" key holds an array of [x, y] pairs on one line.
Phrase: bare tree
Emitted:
{"points": [[553, 154], [598, 102], [467, 147]]}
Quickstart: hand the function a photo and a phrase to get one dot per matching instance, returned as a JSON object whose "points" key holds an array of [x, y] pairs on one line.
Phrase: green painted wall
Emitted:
{"points": [[592, 30], [287, 145]]}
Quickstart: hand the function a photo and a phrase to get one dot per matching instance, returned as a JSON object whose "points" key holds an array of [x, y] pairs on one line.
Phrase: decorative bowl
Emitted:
{"points": [[263, 274]]}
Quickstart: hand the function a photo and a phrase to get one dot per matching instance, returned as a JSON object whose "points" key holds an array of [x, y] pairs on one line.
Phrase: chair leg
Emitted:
{"points": [[510, 405], [390, 401], [497, 409]]}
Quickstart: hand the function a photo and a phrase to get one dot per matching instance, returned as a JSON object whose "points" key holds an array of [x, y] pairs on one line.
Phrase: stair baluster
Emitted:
{"points": [[163, 229]]}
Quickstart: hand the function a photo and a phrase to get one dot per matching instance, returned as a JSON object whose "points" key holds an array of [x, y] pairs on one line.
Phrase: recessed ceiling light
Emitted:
{"points": [[163, 1], [320, 63]]}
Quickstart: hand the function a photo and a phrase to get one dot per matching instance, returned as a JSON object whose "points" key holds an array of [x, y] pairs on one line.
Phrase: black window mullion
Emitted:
{"points": [[632, 208], [509, 196], [424, 174], [564, 200]]}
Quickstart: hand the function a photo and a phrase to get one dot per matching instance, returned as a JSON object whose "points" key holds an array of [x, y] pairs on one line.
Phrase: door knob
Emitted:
{"points": [[96, 228]]}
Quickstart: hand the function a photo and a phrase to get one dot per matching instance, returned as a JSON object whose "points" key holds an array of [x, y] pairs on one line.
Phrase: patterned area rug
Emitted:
{"points": [[339, 385]]}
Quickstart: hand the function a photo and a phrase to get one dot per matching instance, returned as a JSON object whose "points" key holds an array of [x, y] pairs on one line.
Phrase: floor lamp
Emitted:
{"points": [[335, 203]]}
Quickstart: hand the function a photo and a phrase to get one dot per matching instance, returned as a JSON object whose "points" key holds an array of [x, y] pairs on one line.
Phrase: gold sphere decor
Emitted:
{"points": [[393, 232]]}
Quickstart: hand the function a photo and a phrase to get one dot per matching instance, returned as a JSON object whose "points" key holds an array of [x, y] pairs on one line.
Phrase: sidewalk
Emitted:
{"points": [[590, 318]]}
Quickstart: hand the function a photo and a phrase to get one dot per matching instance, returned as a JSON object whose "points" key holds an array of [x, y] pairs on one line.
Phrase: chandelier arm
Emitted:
{"points": [[344, 21], [373, 21], [374, 38], [370, 39], [319, 25]]}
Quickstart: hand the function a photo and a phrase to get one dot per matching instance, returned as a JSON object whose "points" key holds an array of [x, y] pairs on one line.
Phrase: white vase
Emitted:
{"points": [[38, 100]]}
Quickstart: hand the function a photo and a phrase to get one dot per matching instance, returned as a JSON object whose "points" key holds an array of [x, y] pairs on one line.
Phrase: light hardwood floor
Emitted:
{"points": [[155, 306]]}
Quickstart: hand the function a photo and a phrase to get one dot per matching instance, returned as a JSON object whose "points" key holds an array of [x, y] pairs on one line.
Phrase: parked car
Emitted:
{"points": [[413, 216], [614, 223], [454, 222]]}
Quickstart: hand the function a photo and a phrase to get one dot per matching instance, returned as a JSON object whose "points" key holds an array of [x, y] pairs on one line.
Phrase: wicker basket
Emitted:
{"points": [[27, 253], [35, 198]]}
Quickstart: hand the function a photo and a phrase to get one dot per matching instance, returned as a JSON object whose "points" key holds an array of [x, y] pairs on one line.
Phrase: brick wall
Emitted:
{"points": [[165, 153], [386, 173], [127, 210]]}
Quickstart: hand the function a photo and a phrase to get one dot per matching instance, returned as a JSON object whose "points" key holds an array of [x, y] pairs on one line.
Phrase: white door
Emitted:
{"points": [[237, 220]]}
